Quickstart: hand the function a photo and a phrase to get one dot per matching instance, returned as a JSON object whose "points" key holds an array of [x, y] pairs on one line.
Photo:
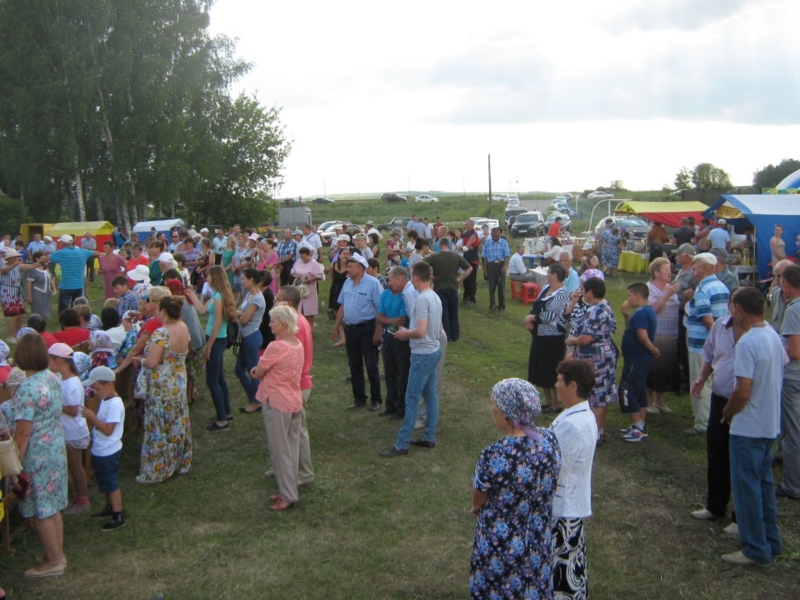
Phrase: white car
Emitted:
{"points": [[513, 200], [499, 198], [479, 222], [600, 194], [326, 225], [427, 198]]}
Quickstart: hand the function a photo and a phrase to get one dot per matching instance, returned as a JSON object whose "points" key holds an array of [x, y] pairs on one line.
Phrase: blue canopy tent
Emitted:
{"points": [[763, 212]]}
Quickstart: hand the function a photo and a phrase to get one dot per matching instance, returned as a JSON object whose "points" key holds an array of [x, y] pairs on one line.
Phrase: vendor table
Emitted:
{"points": [[633, 262], [740, 271]]}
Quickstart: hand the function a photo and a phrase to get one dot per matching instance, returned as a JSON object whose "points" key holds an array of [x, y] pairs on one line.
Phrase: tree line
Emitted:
{"points": [[121, 109]]}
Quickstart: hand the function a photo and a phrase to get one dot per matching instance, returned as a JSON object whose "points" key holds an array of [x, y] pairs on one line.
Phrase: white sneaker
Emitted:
{"points": [[652, 410], [704, 515], [419, 425], [664, 409], [732, 529]]}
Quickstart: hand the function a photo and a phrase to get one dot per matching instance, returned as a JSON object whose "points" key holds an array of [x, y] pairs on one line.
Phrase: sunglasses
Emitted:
{"points": [[145, 299]]}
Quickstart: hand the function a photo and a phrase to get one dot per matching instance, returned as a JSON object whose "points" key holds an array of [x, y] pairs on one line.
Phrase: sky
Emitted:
{"points": [[565, 95]]}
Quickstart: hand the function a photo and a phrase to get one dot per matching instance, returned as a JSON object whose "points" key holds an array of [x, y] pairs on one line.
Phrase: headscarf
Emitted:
{"points": [[176, 287], [593, 273], [519, 401], [25, 331], [4, 352], [83, 364]]}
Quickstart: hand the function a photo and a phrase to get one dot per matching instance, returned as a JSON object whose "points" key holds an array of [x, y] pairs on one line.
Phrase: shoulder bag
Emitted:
{"points": [[9, 453]]}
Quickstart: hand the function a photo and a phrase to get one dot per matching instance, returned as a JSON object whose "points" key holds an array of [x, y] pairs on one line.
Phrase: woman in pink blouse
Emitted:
{"points": [[279, 370], [111, 265], [665, 303]]}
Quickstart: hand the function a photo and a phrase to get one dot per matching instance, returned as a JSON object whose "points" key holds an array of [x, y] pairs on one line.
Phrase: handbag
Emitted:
{"points": [[302, 287], [234, 337], [9, 454]]}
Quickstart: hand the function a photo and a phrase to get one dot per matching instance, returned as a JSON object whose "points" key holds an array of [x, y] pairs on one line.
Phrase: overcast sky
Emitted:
{"points": [[564, 95]]}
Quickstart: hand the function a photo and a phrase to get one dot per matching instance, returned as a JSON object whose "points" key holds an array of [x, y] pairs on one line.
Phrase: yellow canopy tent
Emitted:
{"points": [[102, 231], [666, 213]]}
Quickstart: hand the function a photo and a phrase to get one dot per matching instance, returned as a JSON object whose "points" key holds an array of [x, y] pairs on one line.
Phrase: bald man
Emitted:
{"points": [[777, 299]]}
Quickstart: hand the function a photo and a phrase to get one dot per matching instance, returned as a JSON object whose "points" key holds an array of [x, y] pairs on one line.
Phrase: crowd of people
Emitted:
{"points": [[394, 303]]}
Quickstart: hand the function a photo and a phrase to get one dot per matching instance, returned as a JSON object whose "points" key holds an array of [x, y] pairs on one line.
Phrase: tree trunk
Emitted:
{"points": [[77, 188]]}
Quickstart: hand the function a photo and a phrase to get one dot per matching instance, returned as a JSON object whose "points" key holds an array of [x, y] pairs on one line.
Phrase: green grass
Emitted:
{"points": [[371, 528]]}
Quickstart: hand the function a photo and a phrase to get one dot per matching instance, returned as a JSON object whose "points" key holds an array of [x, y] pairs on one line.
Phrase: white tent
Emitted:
{"points": [[162, 225]]}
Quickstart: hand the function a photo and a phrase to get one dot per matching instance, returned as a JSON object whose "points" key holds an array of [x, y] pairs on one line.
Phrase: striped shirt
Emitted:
{"points": [[73, 265], [710, 299]]}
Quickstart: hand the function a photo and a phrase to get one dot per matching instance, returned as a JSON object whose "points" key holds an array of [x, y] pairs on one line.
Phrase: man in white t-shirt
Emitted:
{"points": [[371, 229], [312, 238], [109, 423], [754, 412], [425, 326], [719, 236]]}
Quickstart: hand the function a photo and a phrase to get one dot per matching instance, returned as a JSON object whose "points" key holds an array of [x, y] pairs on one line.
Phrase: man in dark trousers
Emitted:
{"points": [[445, 265], [471, 243]]}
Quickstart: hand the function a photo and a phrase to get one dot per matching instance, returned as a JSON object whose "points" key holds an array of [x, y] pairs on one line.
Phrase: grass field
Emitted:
{"points": [[371, 528]]}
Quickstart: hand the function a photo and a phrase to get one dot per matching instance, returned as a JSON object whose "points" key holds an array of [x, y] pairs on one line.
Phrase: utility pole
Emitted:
{"points": [[490, 185]]}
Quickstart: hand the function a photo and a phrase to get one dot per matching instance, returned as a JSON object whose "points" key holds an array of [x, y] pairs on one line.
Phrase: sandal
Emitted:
{"points": [[276, 497], [281, 505]]}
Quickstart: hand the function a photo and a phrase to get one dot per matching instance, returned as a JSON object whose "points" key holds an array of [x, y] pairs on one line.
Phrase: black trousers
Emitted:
{"points": [[396, 365], [718, 459], [497, 281], [286, 273], [361, 353], [218, 259], [449, 298], [90, 268], [471, 284]]}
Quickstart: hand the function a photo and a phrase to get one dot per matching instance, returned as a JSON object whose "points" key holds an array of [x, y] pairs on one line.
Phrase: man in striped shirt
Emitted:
{"points": [[707, 303]]}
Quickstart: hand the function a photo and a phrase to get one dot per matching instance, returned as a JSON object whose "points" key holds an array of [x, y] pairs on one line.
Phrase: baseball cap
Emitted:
{"points": [[166, 257], [686, 249], [721, 222], [343, 238], [193, 234], [706, 257], [720, 253], [254, 236], [297, 232], [60, 350], [204, 230], [100, 374], [66, 239], [47, 237], [359, 259], [588, 246], [370, 222]]}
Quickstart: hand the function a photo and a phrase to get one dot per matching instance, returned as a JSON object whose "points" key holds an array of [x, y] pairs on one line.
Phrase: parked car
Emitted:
{"points": [[328, 235], [528, 223], [512, 199], [324, 226], [498, 198], [400, 222], [426, 198], [566, 223], [634, 226], [391, 197], [600, 194], [323, 201], [562, 207], [565, 197], [481, 221], [513, 211]]}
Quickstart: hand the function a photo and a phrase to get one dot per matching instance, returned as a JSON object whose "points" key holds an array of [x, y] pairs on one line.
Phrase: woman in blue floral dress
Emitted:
{"points": [[36, 412], [167, 442], [593, 342], [612, 248], [514, 485]]}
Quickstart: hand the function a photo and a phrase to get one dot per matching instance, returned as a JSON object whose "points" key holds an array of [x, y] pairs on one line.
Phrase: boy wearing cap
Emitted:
{"points": [[108, 424], [73, 265]]}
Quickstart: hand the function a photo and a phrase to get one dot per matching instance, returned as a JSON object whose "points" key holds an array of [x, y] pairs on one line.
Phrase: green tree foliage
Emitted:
{"points": [[616, 186], [703, 176], [772, 175], [683, 180], [110, 106], [14, 212]]}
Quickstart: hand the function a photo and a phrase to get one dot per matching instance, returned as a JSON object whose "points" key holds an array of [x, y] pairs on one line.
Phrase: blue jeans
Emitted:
{"points": [[215, 379], [754, 497], [450, 323], [67, 297], [421, 382], [247, 359]]}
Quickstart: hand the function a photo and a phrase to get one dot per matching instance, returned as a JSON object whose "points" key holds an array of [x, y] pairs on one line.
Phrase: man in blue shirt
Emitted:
{"points": [[707, 303], [360, 299], [287, 253], [73, 266], [36, 244], [396, 352], [496, 255]]}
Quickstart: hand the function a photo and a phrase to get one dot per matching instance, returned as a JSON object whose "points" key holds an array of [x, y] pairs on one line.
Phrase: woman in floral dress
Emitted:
{"points": [[612, 248], [11, 291], [35, 411], [394, 249], [594, 343], [514, 486], [167, 442]]}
